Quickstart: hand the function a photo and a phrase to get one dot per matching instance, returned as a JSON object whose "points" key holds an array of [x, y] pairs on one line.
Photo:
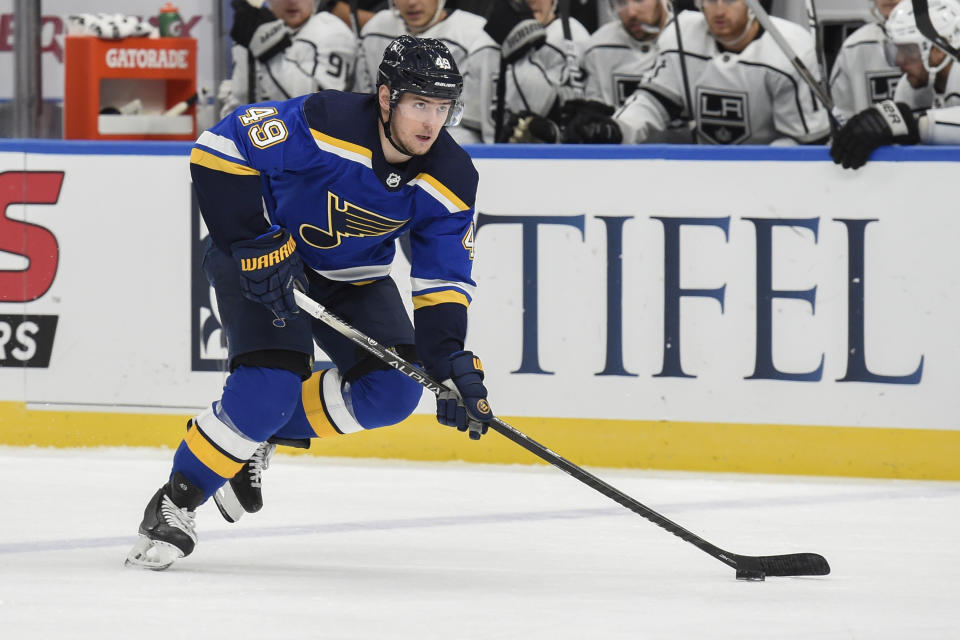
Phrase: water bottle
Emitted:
{"points": [[169, 22]]}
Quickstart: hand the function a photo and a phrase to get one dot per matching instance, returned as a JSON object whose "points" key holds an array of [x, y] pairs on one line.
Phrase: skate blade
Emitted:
{"points": [[155, 555], [226, 500]]}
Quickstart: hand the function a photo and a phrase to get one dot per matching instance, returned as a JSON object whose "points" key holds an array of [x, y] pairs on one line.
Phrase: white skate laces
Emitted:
{"points": [[260, 462], [178, 517]]}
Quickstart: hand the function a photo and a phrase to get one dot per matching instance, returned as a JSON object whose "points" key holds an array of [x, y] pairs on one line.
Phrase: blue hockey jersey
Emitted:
{"points": [[314, 165]]}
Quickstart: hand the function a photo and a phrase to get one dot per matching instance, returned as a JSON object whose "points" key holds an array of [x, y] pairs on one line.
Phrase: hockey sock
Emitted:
{"points": [[328, 407], [256, 403], [321, 412]]}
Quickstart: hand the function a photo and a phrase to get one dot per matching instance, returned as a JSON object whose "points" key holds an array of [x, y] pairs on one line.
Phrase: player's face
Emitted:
{"points": [[416, 13], [727, 19], [638, 14], [885, 6], [293, 12], [417, 121], [542, 10], [910, 60]]}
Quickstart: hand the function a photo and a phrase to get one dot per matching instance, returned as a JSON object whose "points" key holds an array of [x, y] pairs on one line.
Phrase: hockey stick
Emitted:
{"points": [[764, 19], [683, 72], [500, 110], [747, 567], [252, 64], [814, 24], [921, 13], [571, 70]]}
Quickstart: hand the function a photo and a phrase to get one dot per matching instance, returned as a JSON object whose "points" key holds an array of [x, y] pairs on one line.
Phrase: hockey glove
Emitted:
{"points": [[886, 122], [464, 404], [258, 30], [592, 128], [270, 270], [531, 128], [512, 25]]}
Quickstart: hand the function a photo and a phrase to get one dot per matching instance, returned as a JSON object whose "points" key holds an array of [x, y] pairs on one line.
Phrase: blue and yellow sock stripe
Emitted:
{"points": [[315, 408], [210, 454]]}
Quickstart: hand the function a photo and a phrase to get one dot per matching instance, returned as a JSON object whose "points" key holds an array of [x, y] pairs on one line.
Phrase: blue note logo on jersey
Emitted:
{"points": [[722, 116], [347, 220]]}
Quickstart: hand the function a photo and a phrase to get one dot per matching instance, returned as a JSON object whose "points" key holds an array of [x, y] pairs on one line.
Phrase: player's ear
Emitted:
{"points": [[383, 92]]}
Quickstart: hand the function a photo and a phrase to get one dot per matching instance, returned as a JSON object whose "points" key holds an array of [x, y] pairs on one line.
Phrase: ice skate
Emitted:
{"points": [[167, 530], [242, 493]]}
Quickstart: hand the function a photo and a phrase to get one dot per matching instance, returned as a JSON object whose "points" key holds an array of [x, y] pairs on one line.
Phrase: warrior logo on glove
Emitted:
{"points": [[269, 259], [270, 270]]}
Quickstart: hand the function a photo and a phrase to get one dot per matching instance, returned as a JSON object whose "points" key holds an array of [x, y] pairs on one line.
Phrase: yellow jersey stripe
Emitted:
{"points": [[210, 161], [224, 466], [342, 144], [314, 409], [457, 203], [439, 297]]}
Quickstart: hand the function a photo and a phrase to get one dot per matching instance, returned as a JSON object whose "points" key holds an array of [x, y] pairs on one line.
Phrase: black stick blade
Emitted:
{"points": [[791, 564]]}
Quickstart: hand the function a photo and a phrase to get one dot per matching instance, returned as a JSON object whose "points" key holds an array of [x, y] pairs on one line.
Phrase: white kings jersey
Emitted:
{"points": [[751, 97], [861, 74], [614, 62], [459, 31], [322, 56], [942, 122], [533, 82]]}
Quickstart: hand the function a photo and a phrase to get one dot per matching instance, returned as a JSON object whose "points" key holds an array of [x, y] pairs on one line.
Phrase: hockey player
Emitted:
{"points": [[861, 74], [619, 53], [540, 77], [926, 104], [459, 30], [297, 48], [743, 88], [340, 177]]}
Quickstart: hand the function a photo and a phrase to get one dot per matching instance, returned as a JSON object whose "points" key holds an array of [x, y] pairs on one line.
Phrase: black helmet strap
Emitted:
{"points": [[389, 135]]}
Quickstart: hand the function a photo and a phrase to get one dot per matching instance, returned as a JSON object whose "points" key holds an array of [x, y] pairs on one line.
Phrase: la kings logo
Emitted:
{"points": [[625, 86], [881, 85], [722, 116]]}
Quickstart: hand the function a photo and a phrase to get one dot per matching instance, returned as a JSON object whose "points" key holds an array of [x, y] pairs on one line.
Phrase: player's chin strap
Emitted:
{"points": [[386, 131], [437, 16], [653, 30], [934, 71]]}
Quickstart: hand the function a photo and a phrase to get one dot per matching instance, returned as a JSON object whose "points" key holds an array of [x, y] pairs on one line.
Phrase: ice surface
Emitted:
{"points": [[371, 549]]}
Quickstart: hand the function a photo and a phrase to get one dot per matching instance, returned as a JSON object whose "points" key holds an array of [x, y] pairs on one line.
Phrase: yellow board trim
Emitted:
{"points": [[439, 297], [210, 161], [342, 144], [313, 406], [223, 466], [924, 454], [446, 193]]}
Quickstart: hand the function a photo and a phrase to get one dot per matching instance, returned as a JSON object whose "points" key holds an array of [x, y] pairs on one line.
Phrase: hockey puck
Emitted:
{"points": [[751, 575]]}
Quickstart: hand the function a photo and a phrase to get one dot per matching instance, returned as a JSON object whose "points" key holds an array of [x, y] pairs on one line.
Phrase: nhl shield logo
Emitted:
{"points": [[722, 116], [393, 180]]}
